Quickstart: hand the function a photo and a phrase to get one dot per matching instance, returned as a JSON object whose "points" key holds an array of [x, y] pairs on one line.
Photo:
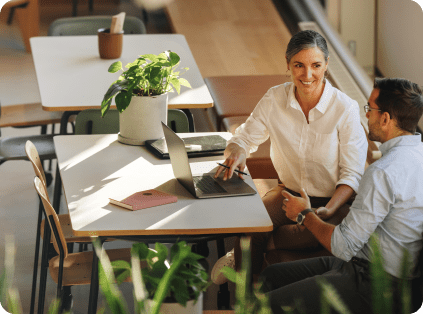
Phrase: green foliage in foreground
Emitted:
{"points": [[251, 301], [248, 300], [183, 278]]}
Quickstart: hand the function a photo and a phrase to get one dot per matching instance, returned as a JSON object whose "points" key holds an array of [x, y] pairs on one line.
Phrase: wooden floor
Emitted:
{"points": [[237, 37]]}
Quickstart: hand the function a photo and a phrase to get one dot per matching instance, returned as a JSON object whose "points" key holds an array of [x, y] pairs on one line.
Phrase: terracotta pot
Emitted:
{"points": [[141, 121]]}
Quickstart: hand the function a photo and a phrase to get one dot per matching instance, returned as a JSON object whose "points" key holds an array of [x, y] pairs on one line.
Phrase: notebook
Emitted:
{"points": [[208, 145], [203, 185], [145, 199]]}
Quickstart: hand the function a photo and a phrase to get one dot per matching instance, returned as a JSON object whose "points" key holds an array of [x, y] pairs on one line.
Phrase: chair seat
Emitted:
{"points": [[66, 225], [27, 115], [77, 266], [13, 148]]}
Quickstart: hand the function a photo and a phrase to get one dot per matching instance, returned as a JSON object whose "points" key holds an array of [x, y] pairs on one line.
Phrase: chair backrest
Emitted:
{"points": [[90, 122], [178, 121], [88, 25], [34, 158], [59, 240]]}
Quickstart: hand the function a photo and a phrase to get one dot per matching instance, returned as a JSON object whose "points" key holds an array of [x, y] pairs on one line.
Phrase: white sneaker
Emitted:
{"points": [[228, 260]]}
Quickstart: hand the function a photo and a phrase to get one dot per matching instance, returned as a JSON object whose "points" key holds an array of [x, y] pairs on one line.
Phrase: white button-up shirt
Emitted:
{"points": [[328, 151]]}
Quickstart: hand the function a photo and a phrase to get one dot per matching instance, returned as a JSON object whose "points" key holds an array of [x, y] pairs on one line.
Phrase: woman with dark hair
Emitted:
{"points": [[317, 142]]}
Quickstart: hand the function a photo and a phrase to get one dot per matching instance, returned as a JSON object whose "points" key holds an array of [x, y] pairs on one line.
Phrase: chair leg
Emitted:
{"points": [[67, 300], [74, 7], [91, 6], [44, 266], [36, 257], [57, 190]]}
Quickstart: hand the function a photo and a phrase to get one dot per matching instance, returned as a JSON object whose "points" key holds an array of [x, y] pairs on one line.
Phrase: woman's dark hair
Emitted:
{"points": [[305, 40], [403, 101]]}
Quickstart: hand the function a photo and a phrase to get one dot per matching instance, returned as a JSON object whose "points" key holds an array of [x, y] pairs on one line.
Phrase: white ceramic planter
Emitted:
{"points": [[141, 120], [176, 308]]}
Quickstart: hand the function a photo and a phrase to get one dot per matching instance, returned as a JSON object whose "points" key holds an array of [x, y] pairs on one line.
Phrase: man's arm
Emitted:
{"points": [[320, 229]]}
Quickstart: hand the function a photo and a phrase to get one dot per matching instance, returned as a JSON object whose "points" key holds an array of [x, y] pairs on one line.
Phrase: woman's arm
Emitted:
{"points": [[342, 194]]}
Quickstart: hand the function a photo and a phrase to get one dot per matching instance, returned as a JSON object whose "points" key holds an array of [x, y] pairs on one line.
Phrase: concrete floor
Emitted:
{"points": [[18, 200]]}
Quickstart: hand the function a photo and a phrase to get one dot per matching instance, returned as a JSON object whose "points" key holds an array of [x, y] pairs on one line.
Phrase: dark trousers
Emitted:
{"points": [[296, 284], [287, 234]]}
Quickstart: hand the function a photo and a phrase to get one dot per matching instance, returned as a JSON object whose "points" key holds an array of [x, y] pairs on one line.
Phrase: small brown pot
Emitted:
{"points": [[109, 45]]}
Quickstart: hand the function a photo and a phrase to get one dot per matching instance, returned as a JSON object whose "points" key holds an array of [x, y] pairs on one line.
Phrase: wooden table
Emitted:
{"points": [[95, 168]]}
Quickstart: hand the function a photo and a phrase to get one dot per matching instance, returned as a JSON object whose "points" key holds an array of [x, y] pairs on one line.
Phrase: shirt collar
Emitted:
{"points": [[323, 103], [404, 140]]}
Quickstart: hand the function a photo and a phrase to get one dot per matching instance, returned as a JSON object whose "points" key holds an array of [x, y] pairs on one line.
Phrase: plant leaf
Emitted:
{"points": [[123, 100], [174, 58], [122, 270], [113, 90], [229, 273], [175, 82], [141, 250], [184, 82], [116, 66]]}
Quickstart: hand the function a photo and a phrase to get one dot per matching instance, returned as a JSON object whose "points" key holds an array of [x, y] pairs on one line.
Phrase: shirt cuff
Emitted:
{"points": [[351, 182], [338, 246]]}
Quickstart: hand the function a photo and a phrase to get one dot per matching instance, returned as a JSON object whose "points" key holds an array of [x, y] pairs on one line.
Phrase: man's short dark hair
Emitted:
{"points": [[403, 101]]}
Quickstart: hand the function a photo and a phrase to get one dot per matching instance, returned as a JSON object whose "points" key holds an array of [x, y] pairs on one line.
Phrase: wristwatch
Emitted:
{"points": [[301, 216]]}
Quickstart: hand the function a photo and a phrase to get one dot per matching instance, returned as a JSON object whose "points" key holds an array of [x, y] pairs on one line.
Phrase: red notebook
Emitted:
{"points": [[145, 199]]}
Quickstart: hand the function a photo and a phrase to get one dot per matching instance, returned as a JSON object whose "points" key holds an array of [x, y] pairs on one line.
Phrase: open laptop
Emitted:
{"points": [[202, 185]]}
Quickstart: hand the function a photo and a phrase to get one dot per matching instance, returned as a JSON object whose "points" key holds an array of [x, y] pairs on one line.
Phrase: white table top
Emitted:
{"points": [[71, 75], [95, 168]]}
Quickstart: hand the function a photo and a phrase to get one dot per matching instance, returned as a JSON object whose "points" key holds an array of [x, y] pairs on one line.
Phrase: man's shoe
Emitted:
{"points": [[228, 260]]}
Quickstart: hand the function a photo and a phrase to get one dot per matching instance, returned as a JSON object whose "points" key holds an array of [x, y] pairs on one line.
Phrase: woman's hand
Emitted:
{"points": [[324, 213], [236, 157]]}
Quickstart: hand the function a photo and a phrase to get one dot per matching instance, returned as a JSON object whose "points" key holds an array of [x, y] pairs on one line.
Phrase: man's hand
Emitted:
{"points": [[294, 205], [236, 157]]}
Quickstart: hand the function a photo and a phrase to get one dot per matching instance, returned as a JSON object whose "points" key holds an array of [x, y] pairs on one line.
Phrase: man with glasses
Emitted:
{"points": [[389, 203]]}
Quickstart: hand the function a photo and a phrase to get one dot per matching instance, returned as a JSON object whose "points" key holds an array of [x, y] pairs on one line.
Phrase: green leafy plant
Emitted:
{"points": [[180, 279], [148, 75]]}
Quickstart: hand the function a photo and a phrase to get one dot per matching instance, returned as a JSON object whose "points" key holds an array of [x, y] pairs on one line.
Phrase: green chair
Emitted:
{"points": [[90, 122], [88, 25]]}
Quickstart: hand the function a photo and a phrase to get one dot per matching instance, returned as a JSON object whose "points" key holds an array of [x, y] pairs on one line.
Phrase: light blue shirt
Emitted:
{"points": [[389, 202]]}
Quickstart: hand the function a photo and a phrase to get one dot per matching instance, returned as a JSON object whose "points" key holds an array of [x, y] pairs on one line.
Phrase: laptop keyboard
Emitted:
{"points": [[208, 185]]}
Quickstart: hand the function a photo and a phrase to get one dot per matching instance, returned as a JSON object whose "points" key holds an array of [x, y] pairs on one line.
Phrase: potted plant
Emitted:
{"points": [[145, 85], [171, 286]]}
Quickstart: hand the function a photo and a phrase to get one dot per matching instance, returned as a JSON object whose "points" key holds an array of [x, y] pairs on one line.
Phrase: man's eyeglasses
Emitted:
{"points": [[367, 108]]}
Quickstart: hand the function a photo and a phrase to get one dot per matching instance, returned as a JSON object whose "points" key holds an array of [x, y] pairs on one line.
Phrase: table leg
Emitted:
{"points": [[94, 287]]}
